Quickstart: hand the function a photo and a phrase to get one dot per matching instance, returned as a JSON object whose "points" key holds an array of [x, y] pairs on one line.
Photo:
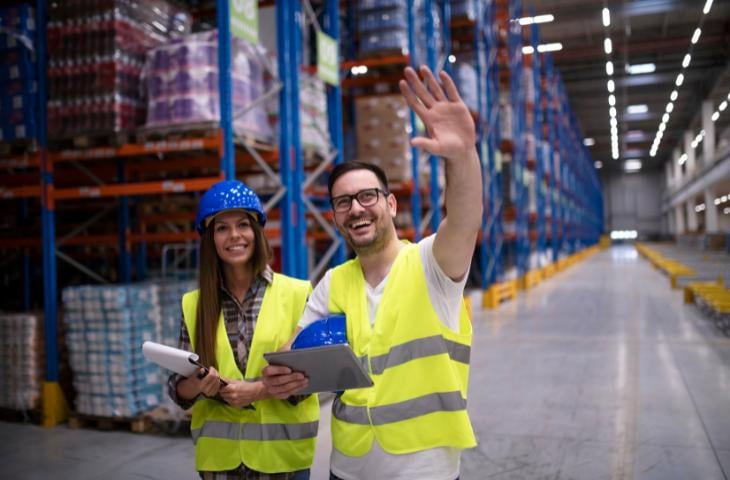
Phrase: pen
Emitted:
{"points": [[201, 375]]}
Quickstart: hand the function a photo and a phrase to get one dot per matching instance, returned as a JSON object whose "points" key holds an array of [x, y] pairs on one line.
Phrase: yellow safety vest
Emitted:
{"points": [[420, 368], [274, 436]]}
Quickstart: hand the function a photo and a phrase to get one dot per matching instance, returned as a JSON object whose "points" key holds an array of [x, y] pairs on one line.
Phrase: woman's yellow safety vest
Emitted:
{"points": [[274, 436], [420, 368]]}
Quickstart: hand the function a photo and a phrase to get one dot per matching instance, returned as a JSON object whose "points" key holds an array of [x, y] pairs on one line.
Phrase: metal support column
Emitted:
{"points": [[288, 138], [331, 26], [125, 260], [415, 170], [55, 409], [228, 154]]}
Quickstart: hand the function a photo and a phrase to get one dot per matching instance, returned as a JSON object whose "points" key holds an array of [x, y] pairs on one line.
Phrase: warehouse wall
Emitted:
{"points": [[633, 202]]}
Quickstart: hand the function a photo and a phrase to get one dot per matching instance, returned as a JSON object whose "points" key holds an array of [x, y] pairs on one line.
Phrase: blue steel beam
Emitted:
{"points": [[228, 155], [48, 220], [433, 161], [331, 26], [295, 58], [483, 147], [125, 260], [416, 193]]}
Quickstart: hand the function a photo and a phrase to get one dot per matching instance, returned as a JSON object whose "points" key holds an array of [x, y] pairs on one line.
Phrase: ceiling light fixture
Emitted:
{"points": [[607, 46], [546, 18], [598, 164], [589, 142], [606, 17], [685, 61], [722, 106], [609, 68], [640, 68], [611, 86], [708, 6], [682, 159], [674, 95], [680, 80], [715, 116], [696, 35]]}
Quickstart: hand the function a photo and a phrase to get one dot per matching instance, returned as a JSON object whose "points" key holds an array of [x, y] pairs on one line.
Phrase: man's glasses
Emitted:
{"points": [[367, 198]]}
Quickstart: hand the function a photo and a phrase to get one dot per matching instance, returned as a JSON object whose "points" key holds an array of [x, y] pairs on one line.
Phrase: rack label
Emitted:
{"points": [[245, 19], [327, 56]]}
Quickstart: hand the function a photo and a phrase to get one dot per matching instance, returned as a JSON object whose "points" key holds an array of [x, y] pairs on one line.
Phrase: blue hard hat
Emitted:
{"points": [[228, 195], [330, 330]]}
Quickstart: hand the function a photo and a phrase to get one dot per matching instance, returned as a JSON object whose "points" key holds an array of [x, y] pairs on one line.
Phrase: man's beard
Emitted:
{"points": [[376, 245]]}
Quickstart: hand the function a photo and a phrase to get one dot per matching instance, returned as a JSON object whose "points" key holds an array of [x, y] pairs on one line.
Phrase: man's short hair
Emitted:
{"points": [[345, 167]]}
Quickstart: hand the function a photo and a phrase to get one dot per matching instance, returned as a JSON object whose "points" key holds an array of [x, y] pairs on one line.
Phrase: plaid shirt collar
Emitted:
{"points": [[267, 276]]}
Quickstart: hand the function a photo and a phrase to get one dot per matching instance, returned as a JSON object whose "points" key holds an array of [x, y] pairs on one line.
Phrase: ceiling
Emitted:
{"points": [[648, 31]]}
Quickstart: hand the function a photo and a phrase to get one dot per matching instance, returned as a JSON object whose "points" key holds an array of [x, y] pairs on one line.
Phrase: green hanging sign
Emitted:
{"points": [[327, 59], [245, 19]]}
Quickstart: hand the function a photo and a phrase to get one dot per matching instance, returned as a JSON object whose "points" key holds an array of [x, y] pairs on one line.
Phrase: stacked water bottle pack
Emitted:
{"points": [[96, 55], [18, 73], [171, 293], [106, 326], [20, 361], [182, 80]]}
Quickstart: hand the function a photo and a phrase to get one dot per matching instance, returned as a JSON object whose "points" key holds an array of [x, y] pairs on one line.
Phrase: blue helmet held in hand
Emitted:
{"points": [[228, 195], [331, 330]]}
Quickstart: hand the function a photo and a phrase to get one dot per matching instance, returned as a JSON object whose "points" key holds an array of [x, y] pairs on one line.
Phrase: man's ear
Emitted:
{"points": [[392, 204]]}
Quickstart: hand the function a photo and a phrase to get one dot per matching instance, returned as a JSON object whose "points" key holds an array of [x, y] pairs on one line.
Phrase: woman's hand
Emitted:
{"points": [[200, 382], [281, 382], [239, 393]]}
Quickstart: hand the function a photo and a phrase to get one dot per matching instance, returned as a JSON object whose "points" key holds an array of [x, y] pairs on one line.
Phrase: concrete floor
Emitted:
{"points": [[600, 373]]}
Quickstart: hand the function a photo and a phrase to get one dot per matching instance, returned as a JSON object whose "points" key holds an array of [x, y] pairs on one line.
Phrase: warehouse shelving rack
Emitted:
{"points": [[217, 152]]}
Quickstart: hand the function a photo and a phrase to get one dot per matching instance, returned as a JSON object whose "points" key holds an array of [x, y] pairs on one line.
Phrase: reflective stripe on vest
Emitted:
{"points": [[396, 412], [255, 432], [420, 348]]}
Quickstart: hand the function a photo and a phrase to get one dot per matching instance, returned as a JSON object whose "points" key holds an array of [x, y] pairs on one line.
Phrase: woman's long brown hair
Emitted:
{"points": [[210, 276]]}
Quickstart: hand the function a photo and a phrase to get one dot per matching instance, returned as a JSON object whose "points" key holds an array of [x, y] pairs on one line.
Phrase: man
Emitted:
{"points": [[404, 307]]}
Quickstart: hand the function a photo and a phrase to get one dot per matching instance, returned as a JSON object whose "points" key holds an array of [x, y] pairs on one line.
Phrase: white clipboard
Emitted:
{"points": [[174, 359], [330, 368]]}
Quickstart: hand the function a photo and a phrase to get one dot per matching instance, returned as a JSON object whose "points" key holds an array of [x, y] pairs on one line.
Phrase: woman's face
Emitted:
{"points": [[234, 237]]}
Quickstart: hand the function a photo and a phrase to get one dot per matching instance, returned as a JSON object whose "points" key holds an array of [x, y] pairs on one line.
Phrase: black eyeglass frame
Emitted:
{"points": [[355, 195]]}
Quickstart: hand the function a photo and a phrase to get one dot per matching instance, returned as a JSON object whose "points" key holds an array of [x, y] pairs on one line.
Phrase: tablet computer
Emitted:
{"points": [[330, 368]]}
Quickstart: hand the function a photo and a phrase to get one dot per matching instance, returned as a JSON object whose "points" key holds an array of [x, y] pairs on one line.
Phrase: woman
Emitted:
{"points": [[241, 310]]}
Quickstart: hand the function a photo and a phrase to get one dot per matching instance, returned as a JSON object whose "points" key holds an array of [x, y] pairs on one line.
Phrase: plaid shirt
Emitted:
{"points": [[240, 322]]}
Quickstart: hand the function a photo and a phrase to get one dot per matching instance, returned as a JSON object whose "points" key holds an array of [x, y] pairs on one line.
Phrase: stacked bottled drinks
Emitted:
{"points": [[96, 54]]}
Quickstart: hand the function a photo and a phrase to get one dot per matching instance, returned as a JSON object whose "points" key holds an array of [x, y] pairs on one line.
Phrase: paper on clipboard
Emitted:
{"points": [[179, 361]]}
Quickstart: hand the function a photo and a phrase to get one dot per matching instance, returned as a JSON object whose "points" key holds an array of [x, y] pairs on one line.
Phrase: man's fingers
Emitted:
{"points": [[419, 88], [451, 90], [433, 84], [411, 98]]}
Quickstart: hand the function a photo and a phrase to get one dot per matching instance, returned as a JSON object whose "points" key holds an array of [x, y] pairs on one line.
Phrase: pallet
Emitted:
{"points": [[139, 424], [33, 415], [498, 293], [170, 422], [178, 131], [10, 148], [92, 140]]}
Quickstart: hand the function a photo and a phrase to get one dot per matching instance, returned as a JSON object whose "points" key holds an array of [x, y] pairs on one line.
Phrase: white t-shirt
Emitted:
{"points": [[440, 463]]}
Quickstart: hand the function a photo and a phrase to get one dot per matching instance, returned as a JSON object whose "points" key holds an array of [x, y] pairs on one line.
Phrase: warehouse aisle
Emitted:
{"points": [[600, 373]]}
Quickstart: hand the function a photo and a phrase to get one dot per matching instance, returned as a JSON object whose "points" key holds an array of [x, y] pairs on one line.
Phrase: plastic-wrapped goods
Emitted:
{"points": [[463, 9], [18, 73], [383, 27], [531, 192], [505, 117], [171, 293], [22, 362], [105, 329], [96, 55], [529, 84], [465, 77], [182, 81], [383, 129]]}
